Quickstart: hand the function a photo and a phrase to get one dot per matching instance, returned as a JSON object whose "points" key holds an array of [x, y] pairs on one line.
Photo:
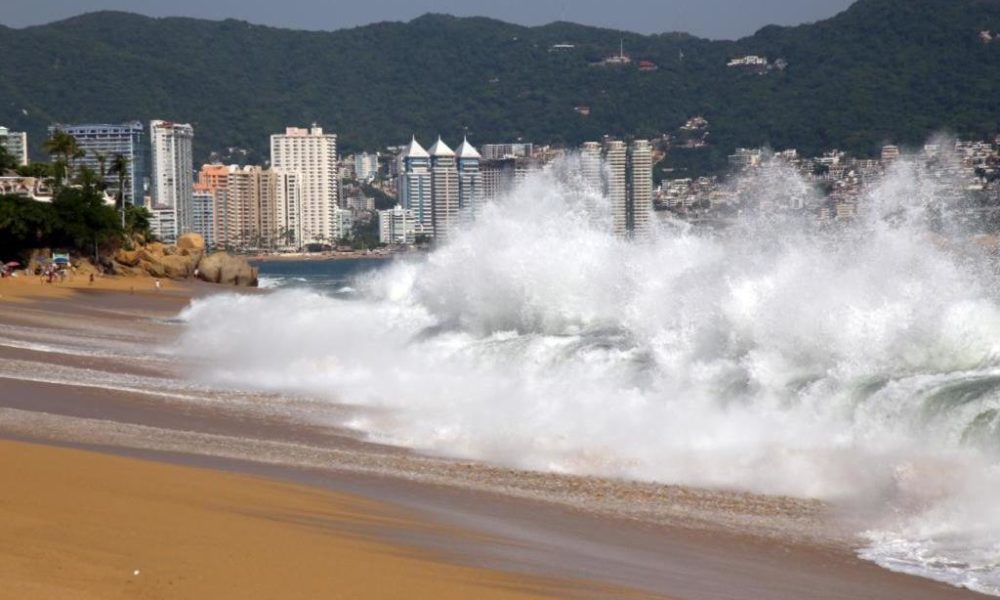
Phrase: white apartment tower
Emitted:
{"points": [[470, 181], [16, 144], [615, 157], [414, 186], [640, 188], [173, 176], [590, 164], [312, 156], [444, 191]]}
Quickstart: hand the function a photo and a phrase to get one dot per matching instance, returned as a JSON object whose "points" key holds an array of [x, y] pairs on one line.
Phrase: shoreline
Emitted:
{"points": [[681, 552]]}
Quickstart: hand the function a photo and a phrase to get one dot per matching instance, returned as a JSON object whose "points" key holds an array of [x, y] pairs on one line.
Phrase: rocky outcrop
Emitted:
{"points": [[185, 259], [226, 269]]}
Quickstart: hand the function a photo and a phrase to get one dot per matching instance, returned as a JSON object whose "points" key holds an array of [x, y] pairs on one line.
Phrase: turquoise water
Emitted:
{"points": [[330, 276]]}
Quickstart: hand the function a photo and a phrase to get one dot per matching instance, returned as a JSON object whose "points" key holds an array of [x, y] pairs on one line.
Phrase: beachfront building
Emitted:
{"points": [[615, 159], [639, 208], [414, 185], [16, 144], [203, 214], [444, 190], [470, 181], [172, 175], [311, 154], [396, 226], [590, 165], [100, 144]]}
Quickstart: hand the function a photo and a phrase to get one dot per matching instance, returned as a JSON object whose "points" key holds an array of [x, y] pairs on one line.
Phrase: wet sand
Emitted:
{"points": [[680, 542]]}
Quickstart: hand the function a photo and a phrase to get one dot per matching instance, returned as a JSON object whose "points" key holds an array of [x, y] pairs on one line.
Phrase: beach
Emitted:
{"points": [[228, 491]]}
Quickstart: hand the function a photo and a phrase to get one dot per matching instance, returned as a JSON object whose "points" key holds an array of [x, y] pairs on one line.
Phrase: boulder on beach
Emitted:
{"points": [[192, 242], [220, 267]]}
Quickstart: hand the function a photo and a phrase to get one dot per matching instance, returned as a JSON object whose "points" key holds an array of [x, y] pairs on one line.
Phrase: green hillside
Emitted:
{"points": [[884, 70]]}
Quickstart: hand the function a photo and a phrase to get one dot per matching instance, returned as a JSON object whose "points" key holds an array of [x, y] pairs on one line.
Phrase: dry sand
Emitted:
{"points": [[75, 524]]}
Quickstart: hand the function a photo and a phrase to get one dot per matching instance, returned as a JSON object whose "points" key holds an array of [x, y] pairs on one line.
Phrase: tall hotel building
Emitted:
{"points": [[444, 190], [312, 156], [615, 187], [627, 182], [415, 187], [639, 212], [470, 181], [102, 142], [173, 177]]}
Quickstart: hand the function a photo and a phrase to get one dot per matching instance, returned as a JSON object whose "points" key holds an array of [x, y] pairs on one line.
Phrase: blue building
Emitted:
{"points": [[415, 187], [102, 142]]}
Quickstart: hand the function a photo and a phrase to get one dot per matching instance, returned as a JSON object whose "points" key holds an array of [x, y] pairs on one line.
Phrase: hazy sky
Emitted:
{"points": [[707, 18]]}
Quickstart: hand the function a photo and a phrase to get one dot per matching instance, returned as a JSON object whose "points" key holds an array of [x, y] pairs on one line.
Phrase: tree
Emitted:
{"points": [[7, 162], [65, 148]]}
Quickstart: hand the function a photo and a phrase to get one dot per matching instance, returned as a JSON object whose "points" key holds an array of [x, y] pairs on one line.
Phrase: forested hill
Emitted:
{"points": [[884, 70]]}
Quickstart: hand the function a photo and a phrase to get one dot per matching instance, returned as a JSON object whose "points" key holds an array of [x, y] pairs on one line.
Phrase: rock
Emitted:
{"points": [[223, 268], [178, 267], [129, 258], [155, 248], [155, 269], [192, 242]]}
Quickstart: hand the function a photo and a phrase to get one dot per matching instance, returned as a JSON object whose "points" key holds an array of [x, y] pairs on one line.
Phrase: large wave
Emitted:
{"points": [[856, 363]]}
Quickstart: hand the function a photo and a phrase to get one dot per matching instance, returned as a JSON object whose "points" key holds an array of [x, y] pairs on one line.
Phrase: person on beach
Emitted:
{"points": [[157, 284]]}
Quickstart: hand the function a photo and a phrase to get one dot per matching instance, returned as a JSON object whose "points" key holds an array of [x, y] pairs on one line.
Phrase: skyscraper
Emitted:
{"points": [[101, 142], [414, 186], [16, 144], [470, 181], [312, 156], [203, 213], [640, 188], [590, 164], [173, 175], [444, 190], [615, 185]]}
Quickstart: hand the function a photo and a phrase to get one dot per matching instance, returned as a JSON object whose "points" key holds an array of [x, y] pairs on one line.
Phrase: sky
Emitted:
{"points": [[717, 19]]}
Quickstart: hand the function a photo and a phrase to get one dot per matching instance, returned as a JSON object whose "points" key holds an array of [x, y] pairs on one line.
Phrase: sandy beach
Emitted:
{"points": [[231, 493]]}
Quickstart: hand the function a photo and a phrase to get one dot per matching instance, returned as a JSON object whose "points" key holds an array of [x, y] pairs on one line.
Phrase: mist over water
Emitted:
{"points": [[858, 363]]}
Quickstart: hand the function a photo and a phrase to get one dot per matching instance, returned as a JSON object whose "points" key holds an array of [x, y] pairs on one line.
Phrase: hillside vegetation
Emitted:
{"points": [[884, 70]]}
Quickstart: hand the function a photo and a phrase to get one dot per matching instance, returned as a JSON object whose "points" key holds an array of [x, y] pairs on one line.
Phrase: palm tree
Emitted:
{"points": [[65, 148], [119, 167]]}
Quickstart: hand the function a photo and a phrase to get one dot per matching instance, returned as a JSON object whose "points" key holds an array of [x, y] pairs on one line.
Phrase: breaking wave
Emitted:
{"points": [[858, 364]]}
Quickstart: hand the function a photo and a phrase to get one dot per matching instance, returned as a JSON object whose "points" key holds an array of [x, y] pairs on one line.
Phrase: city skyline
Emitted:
{"points": [[743, 17]]}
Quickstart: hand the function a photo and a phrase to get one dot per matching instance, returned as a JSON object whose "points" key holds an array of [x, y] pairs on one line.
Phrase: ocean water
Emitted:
{"points": [[858, 364]]}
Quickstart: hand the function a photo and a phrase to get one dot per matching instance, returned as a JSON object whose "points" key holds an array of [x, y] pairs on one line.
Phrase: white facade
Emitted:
{"points": [[312, 156], [444, 191], [16, 144], [615, 185], [640, 188], [365, 166], [396, 226], [173, 171], [163, 224]]}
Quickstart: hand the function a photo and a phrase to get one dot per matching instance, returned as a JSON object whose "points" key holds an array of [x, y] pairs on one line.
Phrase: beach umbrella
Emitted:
{"points": [[61, 260], [13, 263]]}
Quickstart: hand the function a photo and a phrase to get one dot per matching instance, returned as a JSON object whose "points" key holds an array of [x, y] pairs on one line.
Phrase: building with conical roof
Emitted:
{"points": [[444, 190], [470, 181], [415, 187]]}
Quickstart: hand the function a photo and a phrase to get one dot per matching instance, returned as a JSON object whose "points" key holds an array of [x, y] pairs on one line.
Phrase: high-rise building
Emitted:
{"points": [[414, 184], [255, 208], [444, 191], [282, 224], [396, 226], [100, 143], [312, 156], [16, 144], [502, 151], [639, 206], [365, 166], [203, 213], [173, 174], [590, 164], [615, 158], [470, 181], [215, 178]]}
